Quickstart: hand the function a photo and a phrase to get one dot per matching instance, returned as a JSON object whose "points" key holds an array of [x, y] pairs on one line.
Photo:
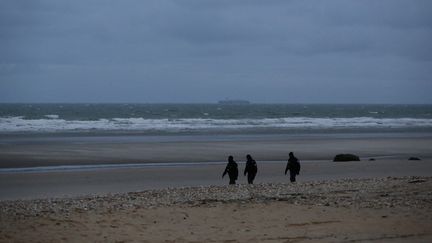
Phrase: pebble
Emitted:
{"points": [[368, 193]]}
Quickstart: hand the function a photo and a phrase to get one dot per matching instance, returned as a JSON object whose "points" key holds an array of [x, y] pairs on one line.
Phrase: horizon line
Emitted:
{"points": [[214, 103]]}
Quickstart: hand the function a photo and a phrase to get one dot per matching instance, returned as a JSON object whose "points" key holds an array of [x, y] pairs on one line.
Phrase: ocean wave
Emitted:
{"points": [[19, 124], [52, 116]]}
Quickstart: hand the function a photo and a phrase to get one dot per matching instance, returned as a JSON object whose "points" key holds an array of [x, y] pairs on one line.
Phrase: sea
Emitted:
{"points": [[155, 119]]}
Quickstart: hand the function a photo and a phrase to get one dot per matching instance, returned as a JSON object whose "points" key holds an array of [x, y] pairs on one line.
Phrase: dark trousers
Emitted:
{"points": [[232, 181], [292, 176], [251, 177]]}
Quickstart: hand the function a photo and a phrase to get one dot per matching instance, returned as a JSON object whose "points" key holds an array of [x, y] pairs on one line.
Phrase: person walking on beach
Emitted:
{"points": [[293, 166], [251, 169], [232, 170]]}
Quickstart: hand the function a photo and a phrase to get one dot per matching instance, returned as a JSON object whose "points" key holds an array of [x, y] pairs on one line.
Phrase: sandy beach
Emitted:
{"points": [[361, 210], [131, 189], [215, 121]]}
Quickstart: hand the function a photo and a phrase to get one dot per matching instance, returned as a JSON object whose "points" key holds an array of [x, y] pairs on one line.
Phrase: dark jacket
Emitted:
{"points": [[293, 165], [251, 167], [232, 170]]}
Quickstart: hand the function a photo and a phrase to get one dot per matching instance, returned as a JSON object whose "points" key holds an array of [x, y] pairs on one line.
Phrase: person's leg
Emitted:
{"points": [[232, 181], [250, 178], [292, 176]]}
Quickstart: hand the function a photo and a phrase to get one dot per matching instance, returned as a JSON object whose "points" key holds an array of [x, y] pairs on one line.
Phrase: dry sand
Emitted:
{"points": [[366, 210]]}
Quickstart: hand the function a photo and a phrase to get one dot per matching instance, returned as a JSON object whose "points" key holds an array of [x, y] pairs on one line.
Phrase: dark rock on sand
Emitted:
{"points": [[372, 159], [414, 158], [346, 157]]}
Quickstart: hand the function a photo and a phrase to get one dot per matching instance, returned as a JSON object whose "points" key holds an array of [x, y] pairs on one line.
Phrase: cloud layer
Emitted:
{"points": [[203, 51]]}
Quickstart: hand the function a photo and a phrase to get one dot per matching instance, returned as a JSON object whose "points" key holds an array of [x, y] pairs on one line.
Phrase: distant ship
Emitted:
{"points": [[233, 102]]}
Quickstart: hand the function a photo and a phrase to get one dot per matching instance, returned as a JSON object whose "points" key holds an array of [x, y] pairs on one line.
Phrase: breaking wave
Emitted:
{"points": [[54, 124]]}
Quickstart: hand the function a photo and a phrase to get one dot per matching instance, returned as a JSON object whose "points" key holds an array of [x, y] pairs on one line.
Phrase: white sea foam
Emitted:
{"points": [[53, 124], [52, 116]]}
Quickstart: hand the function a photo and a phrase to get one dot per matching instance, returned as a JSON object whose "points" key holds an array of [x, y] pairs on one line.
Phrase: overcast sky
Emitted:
{"points": [[368, 51]]}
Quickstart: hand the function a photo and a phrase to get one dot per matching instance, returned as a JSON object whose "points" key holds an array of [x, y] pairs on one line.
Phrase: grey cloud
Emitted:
{"points": [[206, 49]]}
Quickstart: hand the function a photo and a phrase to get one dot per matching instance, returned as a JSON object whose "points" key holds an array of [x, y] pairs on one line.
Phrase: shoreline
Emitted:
{"points": [[120, 180], [116, 166]]}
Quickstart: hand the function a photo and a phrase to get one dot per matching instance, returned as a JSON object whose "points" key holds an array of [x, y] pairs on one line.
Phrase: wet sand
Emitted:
{"points": [[391, 152], [40, 150], [102, 181]]}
